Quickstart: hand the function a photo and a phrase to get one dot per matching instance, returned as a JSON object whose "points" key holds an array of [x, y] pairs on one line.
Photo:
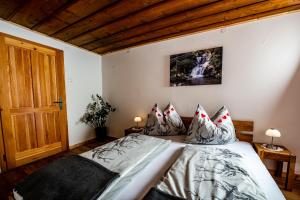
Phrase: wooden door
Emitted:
{"points": [[32, 100]]}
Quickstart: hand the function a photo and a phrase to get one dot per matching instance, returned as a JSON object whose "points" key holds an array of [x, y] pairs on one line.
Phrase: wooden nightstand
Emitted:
{"points": [[132, 130], [279, 157]]}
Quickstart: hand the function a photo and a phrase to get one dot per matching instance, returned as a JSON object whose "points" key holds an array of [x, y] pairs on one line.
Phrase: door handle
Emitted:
{"points": [[60, 103]]}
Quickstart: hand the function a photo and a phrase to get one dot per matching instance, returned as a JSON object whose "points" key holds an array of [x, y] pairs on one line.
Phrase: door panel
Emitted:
{"points": [[48, 128], [20, 77], [32, 79], [45, 84], [25, 132]]}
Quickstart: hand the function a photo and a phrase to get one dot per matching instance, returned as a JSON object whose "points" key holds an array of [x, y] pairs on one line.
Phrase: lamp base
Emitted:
{"points": [[137, 128], [272, 147]]}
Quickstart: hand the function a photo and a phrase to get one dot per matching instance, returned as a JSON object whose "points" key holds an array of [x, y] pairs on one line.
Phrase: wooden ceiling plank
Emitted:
{"points": [[152, 13], [71, 14], [9, 8], [195, 13], [121, 9], [56, 12], [34, 11], [235, 14], [237, 21]]}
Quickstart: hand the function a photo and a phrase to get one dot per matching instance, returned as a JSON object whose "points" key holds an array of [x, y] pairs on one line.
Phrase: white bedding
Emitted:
{"points": [[123, 156], [150, 176], [137, 185], [209, 172]]}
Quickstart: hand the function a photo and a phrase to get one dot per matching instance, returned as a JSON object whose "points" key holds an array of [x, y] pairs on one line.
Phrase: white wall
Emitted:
{"points": [[82, 74], [261, 78]]}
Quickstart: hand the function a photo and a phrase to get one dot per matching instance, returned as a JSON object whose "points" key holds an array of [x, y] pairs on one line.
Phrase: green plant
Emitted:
{"points": [[97, 112]]}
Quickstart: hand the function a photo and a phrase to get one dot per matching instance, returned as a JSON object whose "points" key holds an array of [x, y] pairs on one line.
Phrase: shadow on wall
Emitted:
{"points": [[85, 133], [286, 116], [166, 71]]}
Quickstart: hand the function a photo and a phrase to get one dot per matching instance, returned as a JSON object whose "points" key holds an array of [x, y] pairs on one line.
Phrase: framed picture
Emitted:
{"points": [[201, 67]]}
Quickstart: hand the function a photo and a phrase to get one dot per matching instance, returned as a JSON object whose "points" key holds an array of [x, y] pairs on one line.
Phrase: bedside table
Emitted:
{"points": [[133, 130], [279, 157]]}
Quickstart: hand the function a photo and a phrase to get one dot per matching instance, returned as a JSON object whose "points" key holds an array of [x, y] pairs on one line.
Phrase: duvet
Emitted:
{"points": [[115, 161], [207, 173]]}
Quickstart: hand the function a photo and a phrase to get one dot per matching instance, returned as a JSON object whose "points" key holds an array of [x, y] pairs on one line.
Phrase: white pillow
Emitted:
{"points": [[165, 124], [174, 121], [155, 122], [217, 130]]}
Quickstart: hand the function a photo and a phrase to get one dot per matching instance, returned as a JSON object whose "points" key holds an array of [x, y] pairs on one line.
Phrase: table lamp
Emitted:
{"points": [[272, 133], [137, 119]]}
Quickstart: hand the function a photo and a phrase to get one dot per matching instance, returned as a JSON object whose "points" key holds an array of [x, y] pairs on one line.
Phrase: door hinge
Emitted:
{"points": [[4, 158]]}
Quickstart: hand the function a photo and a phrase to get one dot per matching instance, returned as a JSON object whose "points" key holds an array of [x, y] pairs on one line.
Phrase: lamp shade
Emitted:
{"points": [[137, 119], [273, 132]]}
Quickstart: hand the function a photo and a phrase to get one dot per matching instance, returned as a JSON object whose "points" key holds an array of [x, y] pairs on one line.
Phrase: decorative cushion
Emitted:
{"points": [[174, 121], [155, 122], [158, 124], [217, 130]]}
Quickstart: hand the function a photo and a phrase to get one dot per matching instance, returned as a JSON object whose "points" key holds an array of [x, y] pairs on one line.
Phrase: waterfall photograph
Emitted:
{"points": [[201, 67]]}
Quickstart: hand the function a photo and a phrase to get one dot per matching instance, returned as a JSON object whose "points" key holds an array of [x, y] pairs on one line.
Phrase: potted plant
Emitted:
{"points": [[96, 115]]}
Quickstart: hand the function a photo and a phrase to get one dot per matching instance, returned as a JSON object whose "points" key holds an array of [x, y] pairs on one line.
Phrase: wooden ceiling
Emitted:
{"points": [[104, 26]]}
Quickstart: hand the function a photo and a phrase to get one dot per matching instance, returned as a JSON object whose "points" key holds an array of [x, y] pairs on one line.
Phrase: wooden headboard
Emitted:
{"points": [[240, 128]]}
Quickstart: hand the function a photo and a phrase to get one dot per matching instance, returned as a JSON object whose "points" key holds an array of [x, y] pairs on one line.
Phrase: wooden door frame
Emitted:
{"points": [[61, 73], [2, 149], [3, 163], [62, 87]]}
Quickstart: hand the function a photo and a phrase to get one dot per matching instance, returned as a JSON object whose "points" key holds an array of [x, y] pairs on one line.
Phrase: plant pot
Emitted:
{"points": [[101, 132]]}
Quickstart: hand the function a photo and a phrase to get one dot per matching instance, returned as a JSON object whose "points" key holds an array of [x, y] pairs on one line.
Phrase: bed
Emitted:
{"points": [[139, 181], [158, 167], [96, 174]]}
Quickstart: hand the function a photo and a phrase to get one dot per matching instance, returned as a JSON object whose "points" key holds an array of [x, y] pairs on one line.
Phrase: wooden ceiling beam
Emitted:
{"points": [[210, 22], [56, 12], [219, 25], [71, 14], [215, 26], [35, 10], [192, 14], [147, 15], [114, 12], [9, 8]]}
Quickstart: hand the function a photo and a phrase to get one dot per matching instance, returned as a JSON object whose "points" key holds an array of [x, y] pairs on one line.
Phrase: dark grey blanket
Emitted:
{"points": [[156, 194], [69, 178]]}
